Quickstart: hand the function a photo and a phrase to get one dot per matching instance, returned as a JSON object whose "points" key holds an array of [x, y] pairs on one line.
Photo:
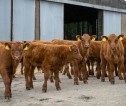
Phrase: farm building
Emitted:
{"points": [[61, 19]]}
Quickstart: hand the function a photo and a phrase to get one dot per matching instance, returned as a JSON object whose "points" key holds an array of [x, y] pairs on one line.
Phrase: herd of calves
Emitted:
{"points": [[109, 54]]}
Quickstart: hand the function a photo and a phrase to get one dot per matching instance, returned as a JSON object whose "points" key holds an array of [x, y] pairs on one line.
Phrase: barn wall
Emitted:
{"points": [[51, 20], [23, 20], [111, 23], [123, 24], [5, 14]]}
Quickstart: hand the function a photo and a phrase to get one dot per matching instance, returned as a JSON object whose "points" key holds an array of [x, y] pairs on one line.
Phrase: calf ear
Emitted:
{"points": [[104, 38], [78, 37], [7, 46], [120, 37], [24, 41], [26, 46], [0, 43], [73, 48], [93, 37]]}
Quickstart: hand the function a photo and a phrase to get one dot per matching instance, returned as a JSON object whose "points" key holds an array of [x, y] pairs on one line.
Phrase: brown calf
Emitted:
{"points": [[112, 52], [10, 56], [50, 58]]}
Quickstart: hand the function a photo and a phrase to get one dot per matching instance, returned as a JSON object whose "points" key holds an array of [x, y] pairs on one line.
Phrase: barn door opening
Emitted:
{"points": [[79, 20]]}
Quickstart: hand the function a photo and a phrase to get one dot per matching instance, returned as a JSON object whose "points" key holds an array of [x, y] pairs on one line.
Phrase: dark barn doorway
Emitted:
{"points": [[79, 20]]}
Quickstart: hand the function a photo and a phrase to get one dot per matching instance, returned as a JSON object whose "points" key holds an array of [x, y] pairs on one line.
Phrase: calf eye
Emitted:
{"points": [[75, 51], [116, 40], [83, 40]]}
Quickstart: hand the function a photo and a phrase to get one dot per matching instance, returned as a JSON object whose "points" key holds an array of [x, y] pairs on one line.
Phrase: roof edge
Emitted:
{"points": [[89, 5]]}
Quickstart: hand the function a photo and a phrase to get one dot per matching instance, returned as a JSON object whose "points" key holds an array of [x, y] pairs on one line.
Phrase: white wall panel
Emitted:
{"points": [[5, 14], [24, 20], [51, 20], [111, 23]]}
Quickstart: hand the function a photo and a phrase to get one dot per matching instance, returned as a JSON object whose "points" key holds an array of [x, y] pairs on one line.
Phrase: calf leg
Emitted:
{"points": [[46, 77], [103, 68], [72, 69], [80, 72], [84, 72], [26, 73], [31, 75], [67, 71], [51, 76], [65, 68], [98, 74], [6, 81], [120, 69], [88, 65], [124, 71], [116, 71], [111, 72], [11, 78], [92, 66], [56, 77], [76, 70], [21, 68]]}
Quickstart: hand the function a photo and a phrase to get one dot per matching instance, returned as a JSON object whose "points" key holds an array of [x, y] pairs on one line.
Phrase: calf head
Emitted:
{"points": [[85, 40], [16, 49], [113, 41], [74, 53]]}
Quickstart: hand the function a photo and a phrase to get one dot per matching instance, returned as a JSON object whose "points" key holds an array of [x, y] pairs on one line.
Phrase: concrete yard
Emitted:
{"points": [[95, 93]]}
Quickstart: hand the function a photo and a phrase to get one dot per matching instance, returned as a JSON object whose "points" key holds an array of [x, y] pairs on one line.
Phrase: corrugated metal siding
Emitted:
{"points": [[51, 21], [24, 20], [5, 14], [111, 23]]}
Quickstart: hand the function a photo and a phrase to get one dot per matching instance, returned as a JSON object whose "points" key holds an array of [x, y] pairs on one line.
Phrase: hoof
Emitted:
{"points": [[112, 82], [85, 82], [27, 88], [98, 77], [70, 77], [44, 90], [58, 88], [75, 82], [8, 97], [121, 78], [102, 80], [31, 87]]}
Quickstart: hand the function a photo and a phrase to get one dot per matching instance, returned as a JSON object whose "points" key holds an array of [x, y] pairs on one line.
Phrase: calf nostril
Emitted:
{"points": [[86, 45]]}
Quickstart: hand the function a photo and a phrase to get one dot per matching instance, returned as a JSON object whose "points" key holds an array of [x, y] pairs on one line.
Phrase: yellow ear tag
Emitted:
{"points": [[78, 39], [104, 39], [93, 39], [0, 43], [26, 48], [121, 38], [7, 47]]}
